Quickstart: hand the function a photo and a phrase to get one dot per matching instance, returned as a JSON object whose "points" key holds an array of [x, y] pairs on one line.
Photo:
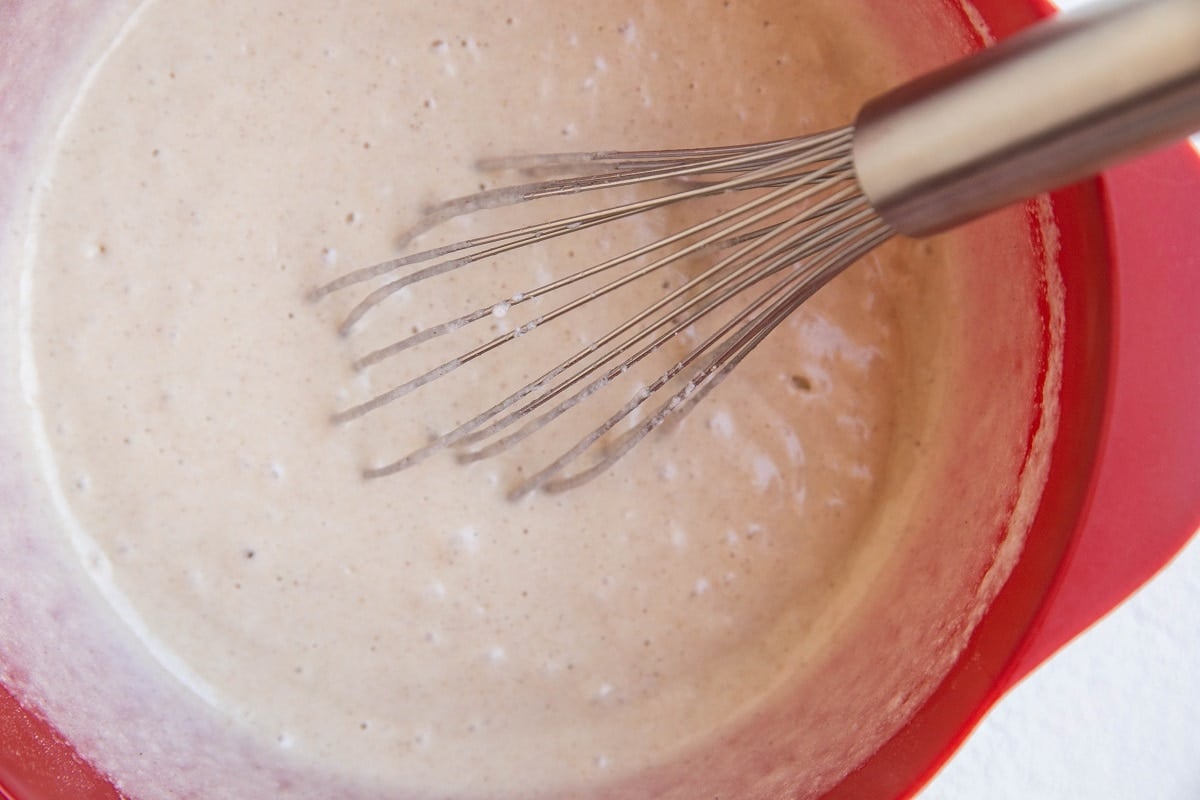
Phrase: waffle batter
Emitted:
{"points": [[421, 634]]}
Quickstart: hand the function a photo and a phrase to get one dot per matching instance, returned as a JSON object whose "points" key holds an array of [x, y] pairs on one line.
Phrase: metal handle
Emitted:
{"points": [[1047, 107]]}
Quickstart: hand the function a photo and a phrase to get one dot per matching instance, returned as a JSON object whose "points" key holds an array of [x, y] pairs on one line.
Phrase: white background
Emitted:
{"points": [[1115, 715]]}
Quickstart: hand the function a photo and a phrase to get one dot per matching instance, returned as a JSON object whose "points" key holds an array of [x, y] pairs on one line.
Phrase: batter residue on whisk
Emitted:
{"points": [[420, 632]]}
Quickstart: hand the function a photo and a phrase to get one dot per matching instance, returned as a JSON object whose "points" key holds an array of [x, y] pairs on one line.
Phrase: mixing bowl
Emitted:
{"points": [[1121, 495]]}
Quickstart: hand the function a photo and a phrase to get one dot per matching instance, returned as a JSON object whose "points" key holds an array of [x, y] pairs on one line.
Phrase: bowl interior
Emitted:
{"points": [[37, 764]]}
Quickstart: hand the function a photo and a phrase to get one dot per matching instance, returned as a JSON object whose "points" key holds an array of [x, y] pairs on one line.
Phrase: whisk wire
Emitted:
{"points": [[622, 160], [745, 210], [806, 223], [734, 282], [776, 176], [759, 165], [717, 366], [463, 432], [717, 357], [789, 197], [531, 294], [784, 254]]}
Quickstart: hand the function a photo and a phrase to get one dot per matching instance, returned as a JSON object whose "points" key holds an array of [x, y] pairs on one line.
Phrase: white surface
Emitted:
{"points": [[1114, 715]]}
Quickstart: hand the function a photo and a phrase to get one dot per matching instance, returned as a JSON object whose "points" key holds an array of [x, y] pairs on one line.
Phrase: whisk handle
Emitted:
{"points": [[1047, 107]]}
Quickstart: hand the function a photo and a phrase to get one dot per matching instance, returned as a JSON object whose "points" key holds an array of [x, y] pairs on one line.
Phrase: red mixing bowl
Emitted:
{"points": [[1122, 495]]}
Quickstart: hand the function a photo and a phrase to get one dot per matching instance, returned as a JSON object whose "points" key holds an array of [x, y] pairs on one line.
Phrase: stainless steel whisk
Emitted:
{"points": [[1049, 106]]}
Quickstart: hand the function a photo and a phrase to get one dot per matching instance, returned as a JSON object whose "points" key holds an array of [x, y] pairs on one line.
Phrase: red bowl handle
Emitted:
{"points": [[1144, 503]]}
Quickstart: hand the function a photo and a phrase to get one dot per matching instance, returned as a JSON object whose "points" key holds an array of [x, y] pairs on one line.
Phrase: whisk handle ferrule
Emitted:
{"points": [[1049, 106]]}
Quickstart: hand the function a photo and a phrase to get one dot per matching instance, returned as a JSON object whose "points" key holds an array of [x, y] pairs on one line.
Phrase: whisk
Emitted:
{"points": [[1049, 106]]}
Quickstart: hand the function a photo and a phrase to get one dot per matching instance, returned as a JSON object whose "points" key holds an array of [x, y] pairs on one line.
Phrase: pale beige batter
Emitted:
{"points": [[421, 632]]}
